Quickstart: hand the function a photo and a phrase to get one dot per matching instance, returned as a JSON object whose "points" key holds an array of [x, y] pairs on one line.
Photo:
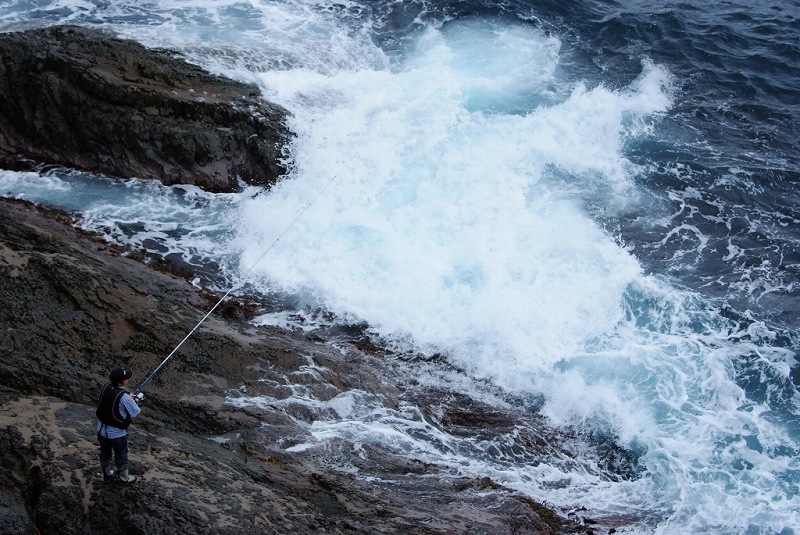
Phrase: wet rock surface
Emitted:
{"points": [[73, 308], [81, 98]]}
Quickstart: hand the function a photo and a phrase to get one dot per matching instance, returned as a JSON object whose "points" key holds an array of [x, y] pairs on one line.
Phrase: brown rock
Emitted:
{"points": [[81, 98]]}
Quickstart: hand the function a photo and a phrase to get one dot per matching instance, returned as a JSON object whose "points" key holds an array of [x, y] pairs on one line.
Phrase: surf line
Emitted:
{"points": [[241, 279]]}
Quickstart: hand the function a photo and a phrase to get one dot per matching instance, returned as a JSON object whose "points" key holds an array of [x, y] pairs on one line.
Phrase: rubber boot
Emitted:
{"points": [[123, 476], [108, 473]]}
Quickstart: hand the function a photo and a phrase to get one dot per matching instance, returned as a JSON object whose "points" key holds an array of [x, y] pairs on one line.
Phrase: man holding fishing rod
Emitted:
{"points": [[115, 412], [117, 409]]}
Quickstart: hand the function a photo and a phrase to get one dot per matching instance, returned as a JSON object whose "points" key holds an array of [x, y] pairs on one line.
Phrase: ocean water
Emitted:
{"points": [[591, 205]]}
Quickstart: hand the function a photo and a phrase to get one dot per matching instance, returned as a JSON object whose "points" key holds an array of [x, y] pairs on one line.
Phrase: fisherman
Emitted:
{"points": [[115, 412]]}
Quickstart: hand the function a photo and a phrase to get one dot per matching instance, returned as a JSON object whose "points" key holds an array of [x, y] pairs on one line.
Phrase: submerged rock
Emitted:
{"points": [[81, 98]]}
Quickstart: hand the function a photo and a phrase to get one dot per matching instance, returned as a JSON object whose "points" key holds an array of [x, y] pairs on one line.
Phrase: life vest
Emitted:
{"points": [[108, 410]]}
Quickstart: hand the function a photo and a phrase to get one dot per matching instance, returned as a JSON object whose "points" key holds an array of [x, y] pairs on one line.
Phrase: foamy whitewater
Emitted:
{"points": [[553, 210]]}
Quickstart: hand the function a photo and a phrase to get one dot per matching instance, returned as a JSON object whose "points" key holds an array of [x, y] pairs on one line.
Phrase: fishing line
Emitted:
{"points": [[247, 272]]}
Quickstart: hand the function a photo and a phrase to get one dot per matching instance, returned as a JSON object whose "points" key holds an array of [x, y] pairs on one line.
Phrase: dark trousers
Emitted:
{"points": [[116, 446]]}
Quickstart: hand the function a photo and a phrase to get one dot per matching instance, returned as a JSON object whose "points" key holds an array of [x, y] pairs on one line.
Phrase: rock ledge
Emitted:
{"points": [[81, 98]]}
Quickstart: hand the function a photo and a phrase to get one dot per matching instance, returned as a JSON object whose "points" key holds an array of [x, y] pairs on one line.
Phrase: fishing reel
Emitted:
{"points": [[138, 397]]}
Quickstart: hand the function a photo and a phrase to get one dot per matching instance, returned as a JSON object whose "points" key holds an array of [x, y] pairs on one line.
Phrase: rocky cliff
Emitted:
{"points": [[80, 98]]}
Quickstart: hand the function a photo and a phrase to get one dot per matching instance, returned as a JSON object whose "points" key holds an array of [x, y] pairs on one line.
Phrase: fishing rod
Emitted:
{"points": [[147, 380], [137, 393]]}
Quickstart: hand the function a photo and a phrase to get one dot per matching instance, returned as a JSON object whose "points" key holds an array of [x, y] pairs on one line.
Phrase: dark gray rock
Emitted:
{"points": [[81, 98]]}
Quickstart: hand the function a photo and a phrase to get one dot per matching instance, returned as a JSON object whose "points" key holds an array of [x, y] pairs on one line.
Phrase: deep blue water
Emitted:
{"points": [[593, 204]]}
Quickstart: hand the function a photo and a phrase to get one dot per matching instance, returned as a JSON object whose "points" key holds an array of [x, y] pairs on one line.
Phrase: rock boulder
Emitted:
{"points": [[84, 99]]}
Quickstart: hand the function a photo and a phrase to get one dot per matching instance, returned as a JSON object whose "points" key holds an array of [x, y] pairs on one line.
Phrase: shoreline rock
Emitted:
{"points": [[74, 307], [81, 98]]}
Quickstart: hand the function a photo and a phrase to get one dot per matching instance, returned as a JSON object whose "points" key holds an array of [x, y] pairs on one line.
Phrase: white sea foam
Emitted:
{"points": [[442, 224], [32, 186], [450, 223]]}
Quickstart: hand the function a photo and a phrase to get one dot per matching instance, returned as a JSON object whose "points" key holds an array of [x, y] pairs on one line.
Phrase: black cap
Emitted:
{"points": [[118, 375]]}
